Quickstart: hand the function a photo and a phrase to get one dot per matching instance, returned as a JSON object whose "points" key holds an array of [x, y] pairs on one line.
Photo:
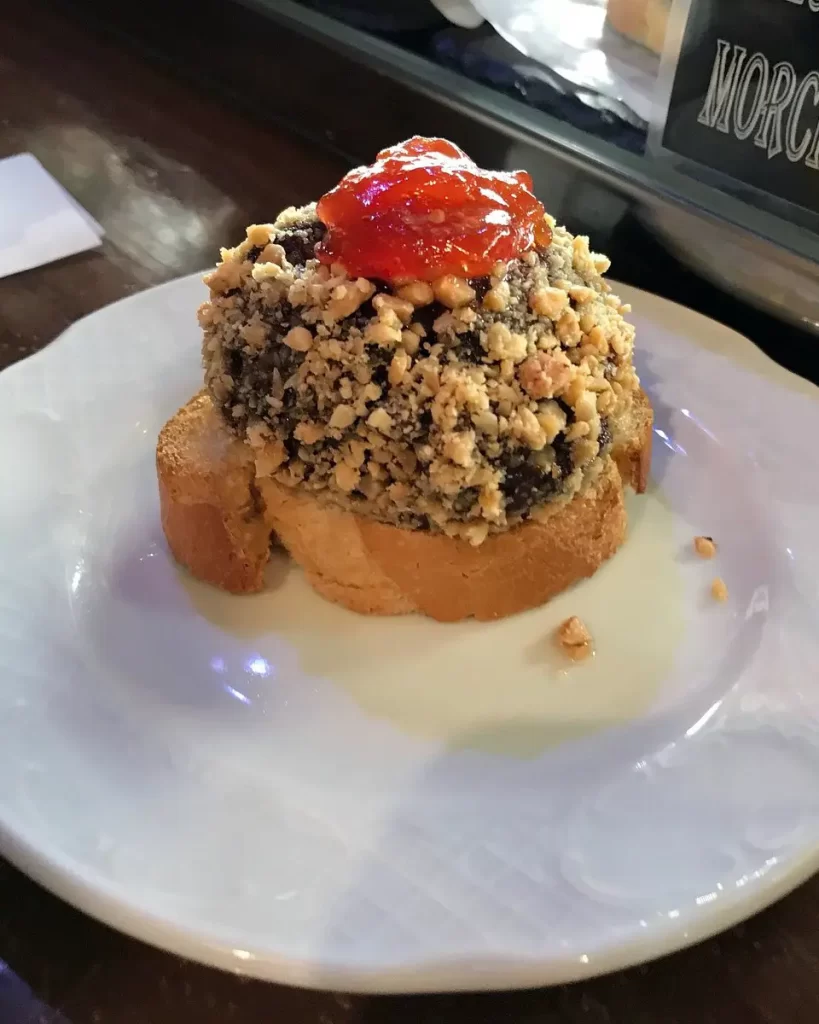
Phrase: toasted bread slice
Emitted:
{"points": [[219, 522], [210, 510], [631, 448]]}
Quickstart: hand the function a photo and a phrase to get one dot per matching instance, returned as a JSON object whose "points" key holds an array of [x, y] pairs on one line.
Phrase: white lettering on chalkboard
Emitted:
{"points": [[797, 150], [813, 4], [783, 86], [747, 114], [722, 88], [746, 96]]}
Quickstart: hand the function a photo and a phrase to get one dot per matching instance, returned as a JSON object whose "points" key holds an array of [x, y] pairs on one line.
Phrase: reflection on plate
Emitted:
{"points": [[277, 786]]}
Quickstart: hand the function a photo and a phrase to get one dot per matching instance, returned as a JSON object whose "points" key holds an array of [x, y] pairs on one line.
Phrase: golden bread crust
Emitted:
{"points": [[218, 523], [206, 500], [632, 446], [382, 569]]}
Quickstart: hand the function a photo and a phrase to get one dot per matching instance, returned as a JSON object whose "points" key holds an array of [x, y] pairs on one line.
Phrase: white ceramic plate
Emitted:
{"points": [[277, 786]]}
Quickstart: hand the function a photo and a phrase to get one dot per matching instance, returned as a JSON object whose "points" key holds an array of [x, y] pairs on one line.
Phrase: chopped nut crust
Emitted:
{"points": [[460, 406]]}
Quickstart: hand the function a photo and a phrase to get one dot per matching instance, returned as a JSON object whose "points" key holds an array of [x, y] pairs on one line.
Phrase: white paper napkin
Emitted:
{"points": [[39, 221]]}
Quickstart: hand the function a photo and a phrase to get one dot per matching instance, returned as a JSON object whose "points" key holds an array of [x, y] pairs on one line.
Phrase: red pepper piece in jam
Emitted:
{"points": [[424, 209]]}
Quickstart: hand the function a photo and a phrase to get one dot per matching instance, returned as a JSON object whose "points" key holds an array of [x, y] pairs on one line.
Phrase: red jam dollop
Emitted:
{"points": [[424, 209]]}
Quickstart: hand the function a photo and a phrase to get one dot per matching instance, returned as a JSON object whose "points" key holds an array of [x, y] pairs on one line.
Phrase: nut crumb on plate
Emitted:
{"points": [[705, 547], [719, 590], [574, 638]]}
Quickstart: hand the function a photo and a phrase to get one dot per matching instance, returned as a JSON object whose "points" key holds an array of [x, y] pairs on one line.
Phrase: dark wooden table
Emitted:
{"points": [[142, 151]]}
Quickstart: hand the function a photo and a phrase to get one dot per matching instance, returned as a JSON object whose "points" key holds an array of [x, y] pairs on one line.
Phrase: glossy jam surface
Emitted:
{"points": [[424, 209]]}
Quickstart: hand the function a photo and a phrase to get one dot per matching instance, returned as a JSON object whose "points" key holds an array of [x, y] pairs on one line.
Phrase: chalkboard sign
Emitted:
{"points": [[745, 94]]}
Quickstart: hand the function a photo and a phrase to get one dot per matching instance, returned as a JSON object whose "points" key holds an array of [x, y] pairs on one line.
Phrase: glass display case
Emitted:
{"points": [[567, 89]]}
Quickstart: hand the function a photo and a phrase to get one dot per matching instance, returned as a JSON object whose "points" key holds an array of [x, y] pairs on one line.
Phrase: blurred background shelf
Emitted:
{"points": [[357, 75]]}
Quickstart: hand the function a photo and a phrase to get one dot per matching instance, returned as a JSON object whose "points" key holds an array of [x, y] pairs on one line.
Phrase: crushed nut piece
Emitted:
{"points": [[308, 432], [398, 367], [259, 234], [453, 291], [346, 298], [343, 416], [476, 534], [255, 334], [224, 278], [458, 447], [380, 333], [568, 328], [719, 591], [381, 420], [419, 293], [586, 407], [503, 344], [497, 298], [410, 341], [267, 272], [401, 307], [270, 458], [347, 478], [299, 339], [574, 638], [705, 547], [272, 254], [543, 375], [550, 302]]}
